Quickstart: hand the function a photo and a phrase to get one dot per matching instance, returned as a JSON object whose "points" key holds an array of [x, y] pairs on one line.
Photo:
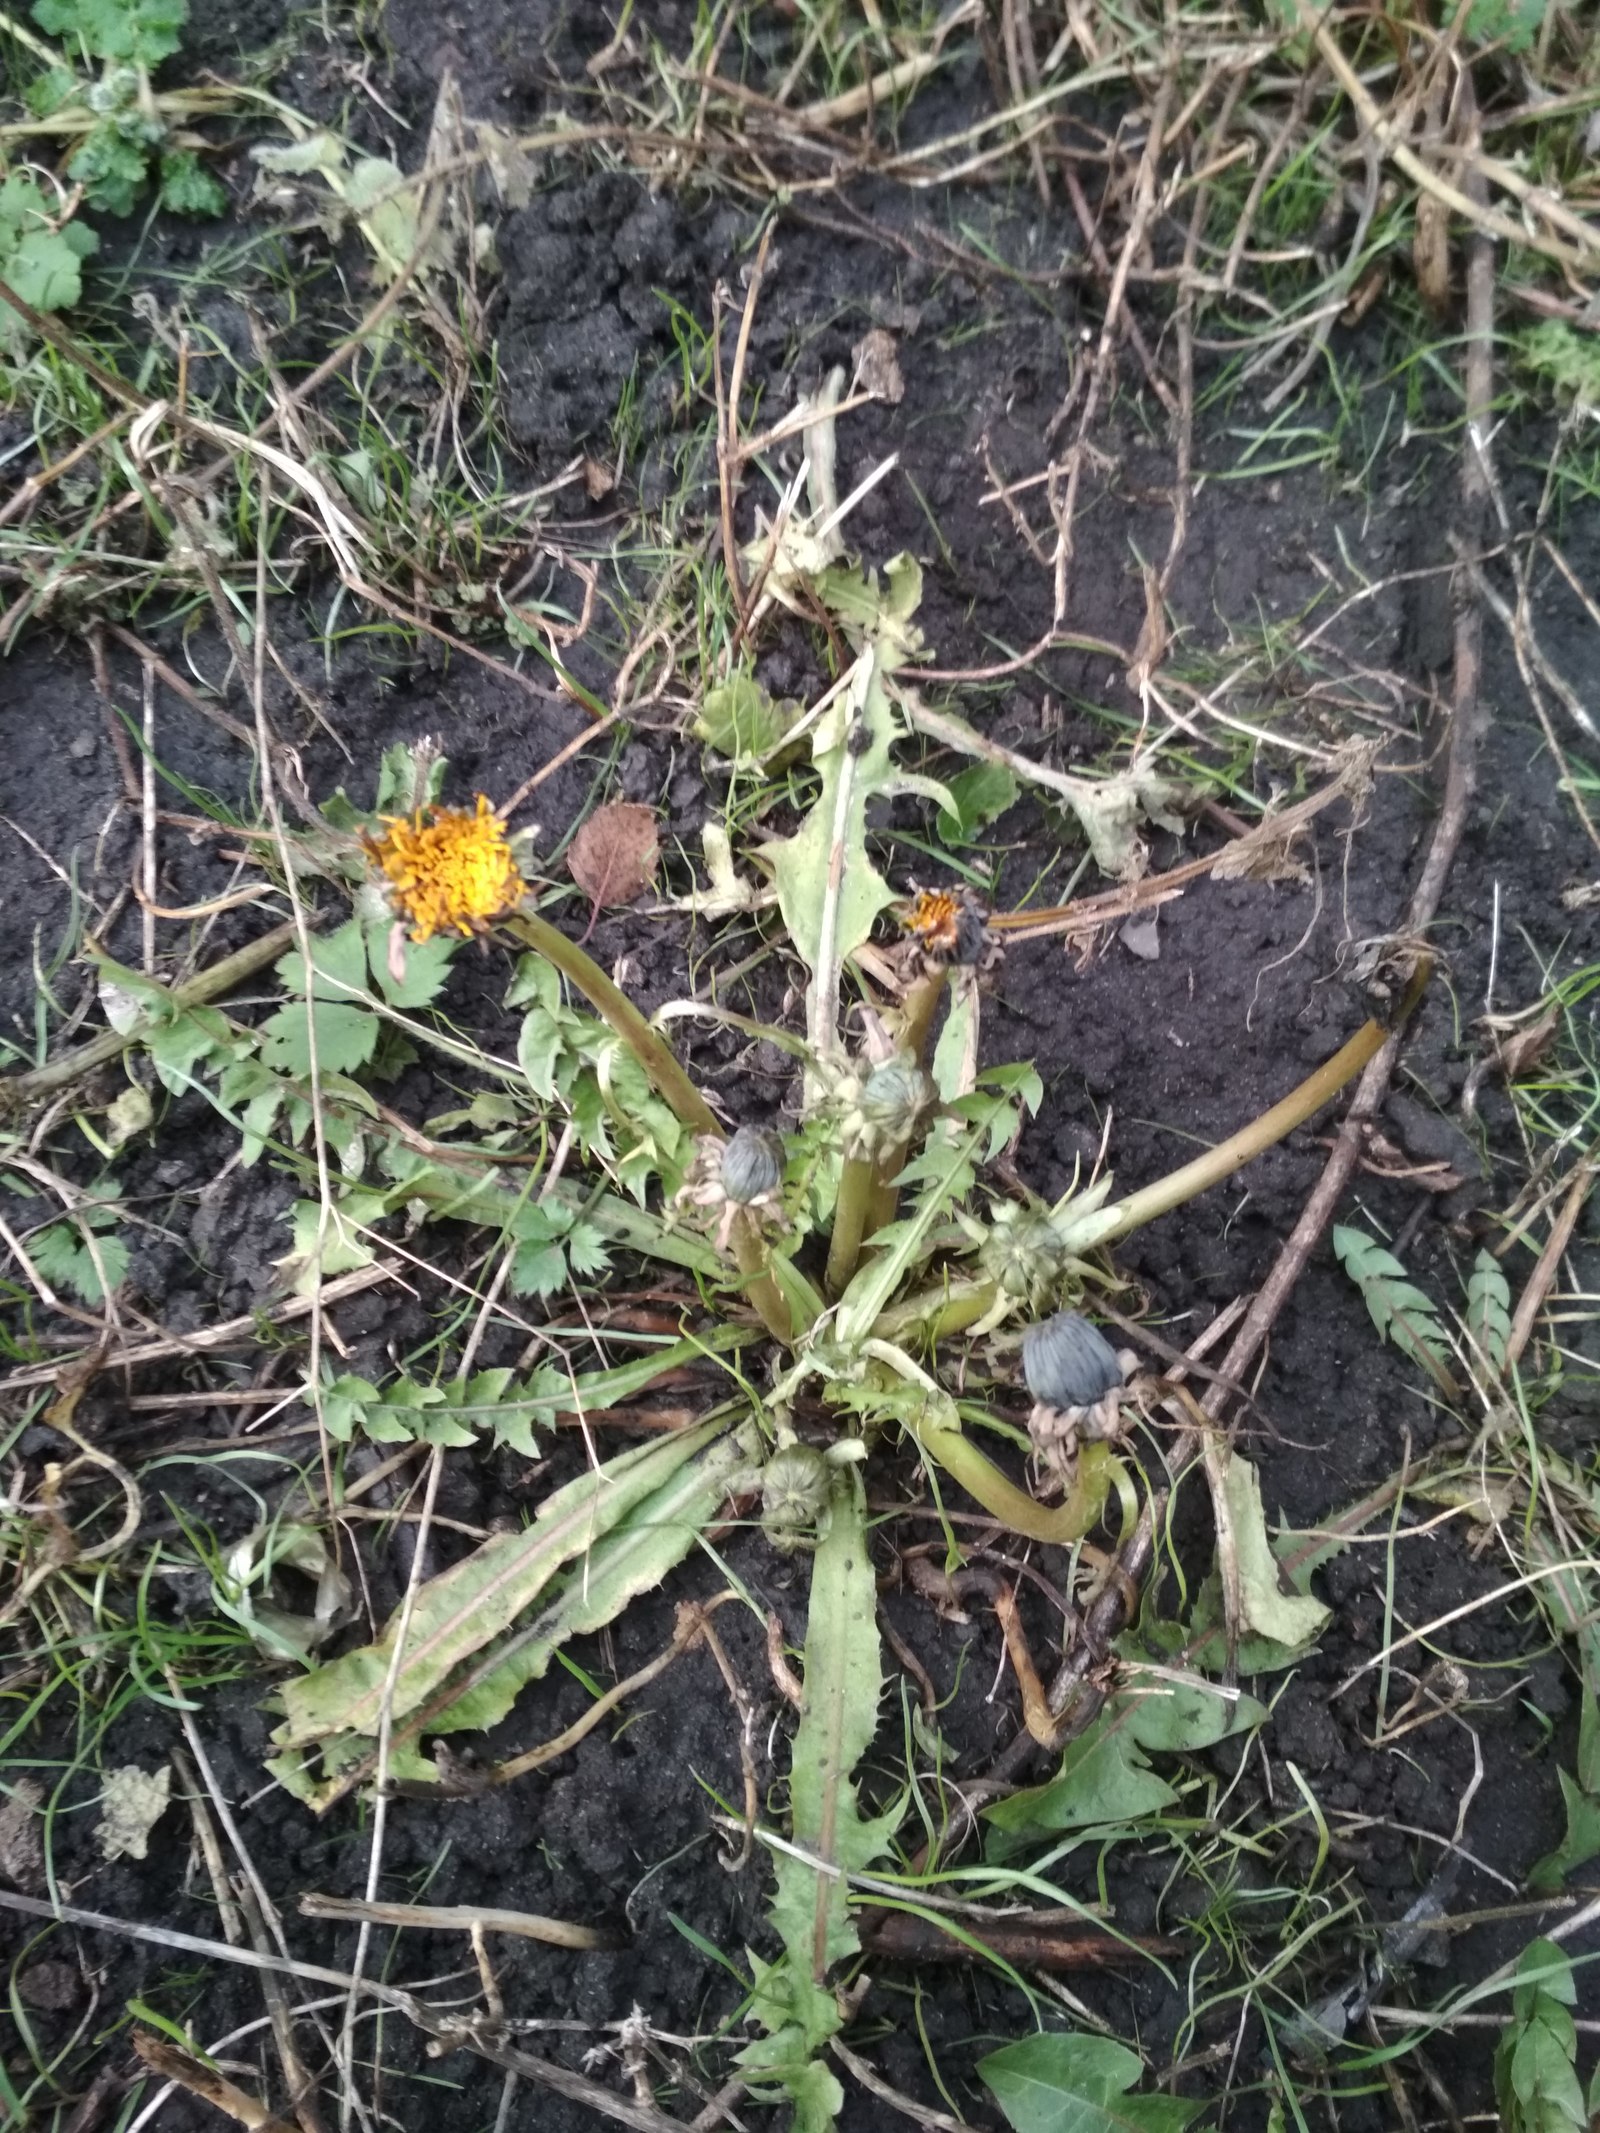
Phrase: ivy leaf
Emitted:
{"points": [[982, 793], [1064, 2083], [143, 32], [1403, 1315], [740, 720], [346, 1038], [1105, 1780]]}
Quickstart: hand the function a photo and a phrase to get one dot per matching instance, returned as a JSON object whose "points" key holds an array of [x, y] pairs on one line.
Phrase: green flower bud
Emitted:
{"points": [[794, 1494], [882, 1113], [1022, 1254]]}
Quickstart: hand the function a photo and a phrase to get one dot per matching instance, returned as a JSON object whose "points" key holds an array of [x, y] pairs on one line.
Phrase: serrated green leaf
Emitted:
{"points": [[834, 833], [468, 1606], [188, 188], [111, 168], [1403, 1315], [179, 1047], [63, 1258], [144, 32], [810, 1911], [336, 1246], [1489, 1308], [412, 974], [346, 1038]]}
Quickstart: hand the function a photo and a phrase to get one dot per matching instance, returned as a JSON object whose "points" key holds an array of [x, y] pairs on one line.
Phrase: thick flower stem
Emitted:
{"points": [[647, 1045], [936, 1314], [917, 1010], [1252, 1140], [954, 1452], [851, 1213], [750, 1250]]}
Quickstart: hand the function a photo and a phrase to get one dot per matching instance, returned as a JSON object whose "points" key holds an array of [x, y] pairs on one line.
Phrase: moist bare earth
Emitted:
{"points": [[1148, 1057]]}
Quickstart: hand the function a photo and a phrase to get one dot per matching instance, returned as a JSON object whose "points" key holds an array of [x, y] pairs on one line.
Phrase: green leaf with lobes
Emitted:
{"points": [[1060, 2082]]}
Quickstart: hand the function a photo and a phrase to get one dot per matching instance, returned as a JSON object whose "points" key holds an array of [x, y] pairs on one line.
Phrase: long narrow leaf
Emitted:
{"points": [[469, 1605]]}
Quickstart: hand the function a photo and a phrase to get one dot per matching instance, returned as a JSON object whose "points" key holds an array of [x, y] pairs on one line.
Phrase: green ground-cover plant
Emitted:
{"points": [[95, 91], [859, 1256], [886, 1267]]}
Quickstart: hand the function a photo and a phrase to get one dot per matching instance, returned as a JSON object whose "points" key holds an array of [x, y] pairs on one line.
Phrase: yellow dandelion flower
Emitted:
{"points": [[449, 870]]}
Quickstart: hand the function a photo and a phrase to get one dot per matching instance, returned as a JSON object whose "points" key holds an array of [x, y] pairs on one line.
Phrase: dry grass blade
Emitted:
{"points": [[461, 1918], [169, 2062]]}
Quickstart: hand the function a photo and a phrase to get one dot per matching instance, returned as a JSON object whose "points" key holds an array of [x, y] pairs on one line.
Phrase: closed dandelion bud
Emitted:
{"points": [[894, 1091], [892, 1103], [1022, 1254], [794, 1494], [752, 1165], [1068, 1363]]}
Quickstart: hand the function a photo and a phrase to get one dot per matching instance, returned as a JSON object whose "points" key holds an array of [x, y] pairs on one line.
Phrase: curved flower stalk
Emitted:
{"points": [[1081, 1223], [940, 1437]]}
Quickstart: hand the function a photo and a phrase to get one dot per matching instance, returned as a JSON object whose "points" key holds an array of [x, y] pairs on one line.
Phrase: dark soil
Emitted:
{"points": [[1248, 994]]}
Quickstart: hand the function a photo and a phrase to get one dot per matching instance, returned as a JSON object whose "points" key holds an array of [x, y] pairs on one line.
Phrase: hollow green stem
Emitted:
{"points": [[750, 1250], [936, 1314], [917, 1010], [851, 1212], [647, 1045], [957, 1455], [1252, 1140]]}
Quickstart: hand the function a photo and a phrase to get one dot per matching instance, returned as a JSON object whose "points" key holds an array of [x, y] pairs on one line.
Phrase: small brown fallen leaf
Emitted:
{"points": [[1521, 1050], [50, 1985], [878, 366], [613, 857]]}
